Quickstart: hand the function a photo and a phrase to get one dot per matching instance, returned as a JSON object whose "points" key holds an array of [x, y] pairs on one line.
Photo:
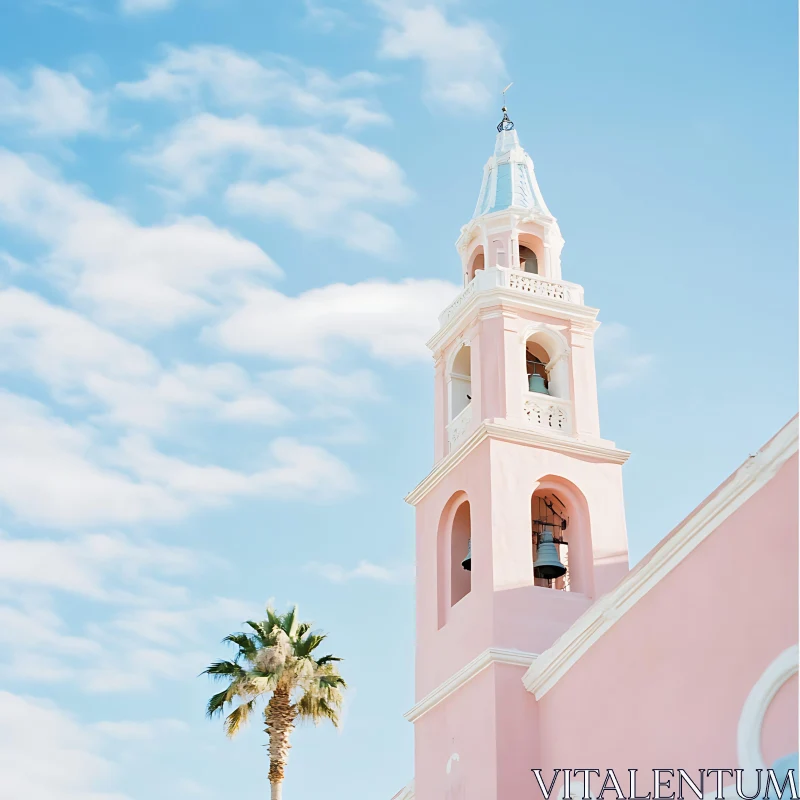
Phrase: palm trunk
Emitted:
{"points": [[279, 716]]}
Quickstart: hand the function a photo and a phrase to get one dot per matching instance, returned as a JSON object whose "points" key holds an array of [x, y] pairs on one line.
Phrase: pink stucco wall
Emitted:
{"points": [[665, 686]]}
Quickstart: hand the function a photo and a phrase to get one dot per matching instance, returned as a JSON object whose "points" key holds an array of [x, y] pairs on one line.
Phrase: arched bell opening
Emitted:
{"points": [[461, 554], [453, 580], [561, 539], [531, 254], [460, 381], [477, 261], [547, 364], [528, 261], [536, 361], [549, 529]]}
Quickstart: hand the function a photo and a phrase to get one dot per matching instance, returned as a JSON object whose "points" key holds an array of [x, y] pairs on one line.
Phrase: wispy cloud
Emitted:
{"points": [[463, 68], [51, 104], [101, 566], [73, 768], [89, 483], [391, 321], [618, 361], [225, 78], [139, 276], [364, 570], [324, 18], [134, 7], [327, 185]]}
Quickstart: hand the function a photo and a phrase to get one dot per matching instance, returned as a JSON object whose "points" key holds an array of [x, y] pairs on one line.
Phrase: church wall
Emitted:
{"points": [[665, 686]]}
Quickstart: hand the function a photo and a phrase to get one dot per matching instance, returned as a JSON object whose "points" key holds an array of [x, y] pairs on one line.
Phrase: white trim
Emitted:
{"points": [[406, 793], [754, 710], [485, 293], [494, 655], [599, 449], [755, 473]]}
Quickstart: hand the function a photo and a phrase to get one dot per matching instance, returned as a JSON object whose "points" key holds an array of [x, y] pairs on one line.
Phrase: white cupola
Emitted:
{"points": [[512, 226]]}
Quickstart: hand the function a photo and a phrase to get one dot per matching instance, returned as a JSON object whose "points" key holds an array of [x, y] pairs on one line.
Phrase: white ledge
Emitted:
{"points": [[755, 473], [494, 655], [600, 449]]}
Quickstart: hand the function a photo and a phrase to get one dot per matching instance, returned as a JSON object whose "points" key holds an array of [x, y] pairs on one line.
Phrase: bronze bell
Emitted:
{"points": [[536, 383], [467, 562], [547, 564]]}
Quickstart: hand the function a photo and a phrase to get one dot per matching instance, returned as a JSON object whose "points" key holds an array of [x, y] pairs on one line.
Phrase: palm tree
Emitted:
{"points": [[275, 660]]}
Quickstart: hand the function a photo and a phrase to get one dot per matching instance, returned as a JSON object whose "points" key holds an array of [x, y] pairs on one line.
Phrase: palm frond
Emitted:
{"points": [[263, 632], [244, 641], [316, 709], [224, 669], [217, 703], [237, 718], [290, 622], [311, 642]]}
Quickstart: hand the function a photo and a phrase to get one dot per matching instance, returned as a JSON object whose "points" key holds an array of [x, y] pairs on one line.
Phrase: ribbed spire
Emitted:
{"points": [[508, 177]]}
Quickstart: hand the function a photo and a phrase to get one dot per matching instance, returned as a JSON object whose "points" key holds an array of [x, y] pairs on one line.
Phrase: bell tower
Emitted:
{"points": [[522, 482]]}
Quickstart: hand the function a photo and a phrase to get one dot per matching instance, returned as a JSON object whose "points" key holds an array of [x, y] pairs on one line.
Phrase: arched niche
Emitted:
{"points": [[547, 354], [453, 582], [459, 379], [531, 253], [558, 504], [477, 261]]}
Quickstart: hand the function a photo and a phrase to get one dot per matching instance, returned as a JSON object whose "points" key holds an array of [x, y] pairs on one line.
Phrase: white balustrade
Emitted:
{"points": [[548, 413], [458, 427], [516, 281]]}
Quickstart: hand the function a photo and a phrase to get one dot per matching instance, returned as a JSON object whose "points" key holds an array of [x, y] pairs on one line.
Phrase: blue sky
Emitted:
{"points": [[226, 229]]}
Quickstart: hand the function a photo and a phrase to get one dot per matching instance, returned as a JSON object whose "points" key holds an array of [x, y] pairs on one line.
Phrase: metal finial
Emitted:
{"points": [[505, 124]]}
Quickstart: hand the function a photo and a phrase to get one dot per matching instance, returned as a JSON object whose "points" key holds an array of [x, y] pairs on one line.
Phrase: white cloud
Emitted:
{"points": [[336, 573], [80, 360], [99, 566], [463, 68], [145, 6], [297, 470], [390, 320], [51, 104], [59, 475], [324, 18], [48, 474], [315, 381], [223, 390], [618, 363], [140, 276], [328, 186], [61, 346], [234, 80], [45, 753]]}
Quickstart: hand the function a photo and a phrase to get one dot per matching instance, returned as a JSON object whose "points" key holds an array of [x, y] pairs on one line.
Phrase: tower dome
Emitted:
{"points": [[509, 180]]}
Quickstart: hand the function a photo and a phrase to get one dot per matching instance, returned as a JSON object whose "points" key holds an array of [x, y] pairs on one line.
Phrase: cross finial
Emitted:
{"points": [[505, 124]]}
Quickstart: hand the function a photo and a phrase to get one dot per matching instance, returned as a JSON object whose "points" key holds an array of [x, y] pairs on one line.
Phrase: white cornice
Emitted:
{"points": [[600, 449], [755, 473], [494, 655], [584, 316]]}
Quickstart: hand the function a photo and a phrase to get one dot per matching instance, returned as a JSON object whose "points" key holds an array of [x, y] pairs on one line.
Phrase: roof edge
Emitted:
{"points": [[597, 620]]}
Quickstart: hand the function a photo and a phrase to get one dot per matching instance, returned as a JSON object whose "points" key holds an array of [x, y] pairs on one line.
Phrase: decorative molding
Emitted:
{"points": [[599, 449], [489, 289], [494, 655], [754, 473], [754, 710]]}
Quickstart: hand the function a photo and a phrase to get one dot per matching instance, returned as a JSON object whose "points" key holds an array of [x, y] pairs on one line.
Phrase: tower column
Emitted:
{"points": [[512, 463]]}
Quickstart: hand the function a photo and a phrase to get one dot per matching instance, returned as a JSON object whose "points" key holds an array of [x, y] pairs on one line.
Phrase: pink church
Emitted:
{"points": [[537, 646]]}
